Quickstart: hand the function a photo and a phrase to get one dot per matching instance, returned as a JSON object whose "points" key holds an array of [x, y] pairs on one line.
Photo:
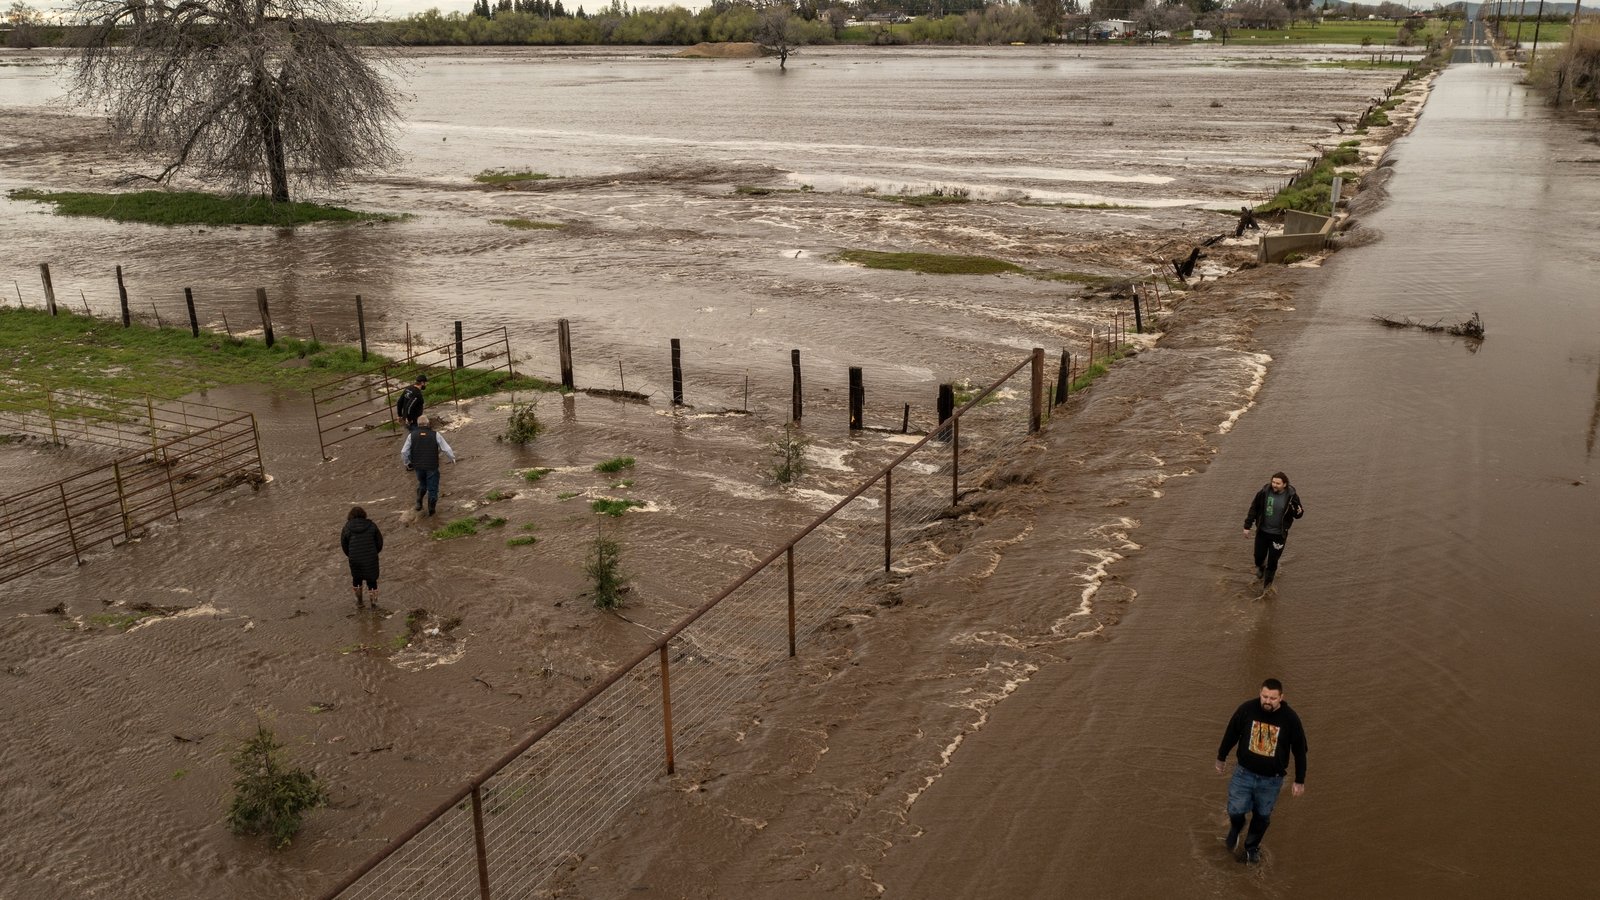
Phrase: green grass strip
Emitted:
{"points": [[529, 224], [194, 208], [613, 506], [930, 263], [501, 176], [456, 529], [615, 464]]}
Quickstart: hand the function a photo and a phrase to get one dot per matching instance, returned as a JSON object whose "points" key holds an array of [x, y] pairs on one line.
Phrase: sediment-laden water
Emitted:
{"points": [[127, 733]]}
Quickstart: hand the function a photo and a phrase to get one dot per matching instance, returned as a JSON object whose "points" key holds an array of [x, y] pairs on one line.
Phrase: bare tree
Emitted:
{"points": [[247, 92], [776, 32], [24, 19]]}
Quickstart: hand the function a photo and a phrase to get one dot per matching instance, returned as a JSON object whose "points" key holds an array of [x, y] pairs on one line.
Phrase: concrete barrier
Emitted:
{"points": [[1301, 232]]}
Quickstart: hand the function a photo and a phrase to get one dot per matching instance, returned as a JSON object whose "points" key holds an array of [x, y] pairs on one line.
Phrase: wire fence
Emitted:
{"points": [[510, 828], [350, 406], [69, 517]]}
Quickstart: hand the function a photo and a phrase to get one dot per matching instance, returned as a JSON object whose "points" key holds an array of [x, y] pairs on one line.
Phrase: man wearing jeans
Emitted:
{"points": [[421, 453], [1266, 731]]}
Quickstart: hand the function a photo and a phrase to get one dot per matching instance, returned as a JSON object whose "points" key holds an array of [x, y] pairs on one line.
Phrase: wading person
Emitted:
{"points": [[421, 453], [361, 542], [1265, 731], [409, 406], [1272, 512]]}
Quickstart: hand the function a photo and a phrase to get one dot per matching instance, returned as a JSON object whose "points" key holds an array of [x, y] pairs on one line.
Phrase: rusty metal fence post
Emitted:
{"points": [[790, 554], [122, 500], [955, 460], [477, 835], [1036, 398], [888, 523], [666, 708]]}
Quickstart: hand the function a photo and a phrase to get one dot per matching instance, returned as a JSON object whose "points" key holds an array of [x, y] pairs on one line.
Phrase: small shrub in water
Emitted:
{"points": [[532, 476], [270, 796], [524, 540], [458, 528], [613, 506], [523, 425], [790, 450], [604, 568]]}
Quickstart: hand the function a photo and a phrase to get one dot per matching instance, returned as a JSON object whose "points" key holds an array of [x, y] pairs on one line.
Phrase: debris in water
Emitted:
{"points": [[1471, 328]]}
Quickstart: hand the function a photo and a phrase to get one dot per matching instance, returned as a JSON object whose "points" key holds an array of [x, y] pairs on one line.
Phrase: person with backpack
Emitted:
{"points": [[409, 406], [1272, 512], [362, 541], [421, 454]]}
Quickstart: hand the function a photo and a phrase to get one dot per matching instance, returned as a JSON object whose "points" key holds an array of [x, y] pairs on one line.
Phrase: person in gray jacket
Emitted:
{"points": [[421, 454], [1272, 512], [361, 542]]}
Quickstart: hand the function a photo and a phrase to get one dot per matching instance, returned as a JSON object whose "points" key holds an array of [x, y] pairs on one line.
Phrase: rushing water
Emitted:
{"points": [[125, 737]]}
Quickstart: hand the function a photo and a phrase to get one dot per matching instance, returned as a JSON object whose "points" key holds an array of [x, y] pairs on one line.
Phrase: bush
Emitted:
{"points": [[604, 568], [269, 797], [615, 464], [790, 450], [523, 425]]}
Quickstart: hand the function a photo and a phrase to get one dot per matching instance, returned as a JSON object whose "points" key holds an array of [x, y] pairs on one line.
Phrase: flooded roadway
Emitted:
{"points": [[1434, 621]]}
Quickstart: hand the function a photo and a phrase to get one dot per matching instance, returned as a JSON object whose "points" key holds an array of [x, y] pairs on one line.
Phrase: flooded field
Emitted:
{"points": [[129, 728]]}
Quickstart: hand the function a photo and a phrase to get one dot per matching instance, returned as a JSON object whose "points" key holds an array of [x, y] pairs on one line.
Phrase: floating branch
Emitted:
{"points": [[1471, 328]]}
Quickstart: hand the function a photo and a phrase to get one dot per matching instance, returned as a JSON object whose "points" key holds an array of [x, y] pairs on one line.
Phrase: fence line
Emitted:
{"points": [[510, 827], [355, 404], [116, 421], [62, 520]]}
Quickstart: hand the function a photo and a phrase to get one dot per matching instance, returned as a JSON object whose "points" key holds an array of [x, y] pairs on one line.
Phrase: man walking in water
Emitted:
{"points": [[1266, 731], [1273, 510], [409, 406], [421, 452]]}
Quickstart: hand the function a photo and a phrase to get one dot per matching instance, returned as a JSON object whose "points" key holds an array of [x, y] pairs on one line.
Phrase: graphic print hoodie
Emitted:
{"points": [[1265, 740]]}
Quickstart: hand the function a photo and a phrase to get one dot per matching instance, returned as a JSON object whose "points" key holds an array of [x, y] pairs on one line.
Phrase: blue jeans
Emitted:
{"points": [[1248, 792], [428, 483]]}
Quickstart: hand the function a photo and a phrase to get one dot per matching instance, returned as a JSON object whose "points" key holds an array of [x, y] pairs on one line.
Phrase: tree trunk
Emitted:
{"points": [[272, 139]]}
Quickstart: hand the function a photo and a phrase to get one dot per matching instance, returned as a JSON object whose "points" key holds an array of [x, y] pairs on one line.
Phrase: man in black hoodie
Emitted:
{"points": [[1266, 731], [1273, 510], [409, 406]]}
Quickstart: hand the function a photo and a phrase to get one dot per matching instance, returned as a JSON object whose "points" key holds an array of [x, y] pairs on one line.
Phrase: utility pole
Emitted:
{"points": [[1537, 21]]}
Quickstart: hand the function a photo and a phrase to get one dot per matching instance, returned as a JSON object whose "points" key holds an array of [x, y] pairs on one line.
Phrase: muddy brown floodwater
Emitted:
{"points": [[116, 755]]}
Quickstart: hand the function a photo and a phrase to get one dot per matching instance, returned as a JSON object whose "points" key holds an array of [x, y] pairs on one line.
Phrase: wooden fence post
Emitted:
{"points": [[1063, 377], [194, 321], [1036, 398], [49, 289], [564, 339], [677, 373], [122, 293], [796, 407], [266, 315], [361, 327], [858, 398], [1138, 314], [460, 361], [947, 408]]}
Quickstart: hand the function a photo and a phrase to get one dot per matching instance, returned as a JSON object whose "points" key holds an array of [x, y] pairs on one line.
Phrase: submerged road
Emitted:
{"points": [[1436, 617]]}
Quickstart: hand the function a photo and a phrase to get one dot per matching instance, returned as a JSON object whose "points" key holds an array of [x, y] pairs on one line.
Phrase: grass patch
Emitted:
{"points": [[531, 526], [79, 353], [1077, 205], [528, 224], [532, 476], [1312, 191], [496, 495], [1378, 34], [1077, 277], [495, 522], [624, 484], [930, 263], [459, 528], [120, 621], [522, 540], [1102, 365], [615, 464], [614, 506], [195, 208], [505, 176], [567, 495], [750, 190]]}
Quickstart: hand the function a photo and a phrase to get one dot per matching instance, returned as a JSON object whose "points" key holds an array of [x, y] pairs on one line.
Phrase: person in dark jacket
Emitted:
{"points": [[1272, 512], [361, 542], [1265, 731], [421, 454], [409, 406]]}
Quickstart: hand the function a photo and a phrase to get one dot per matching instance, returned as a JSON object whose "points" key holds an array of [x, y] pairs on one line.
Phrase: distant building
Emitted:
{"points": [[1200, 34], [1112, 29]]}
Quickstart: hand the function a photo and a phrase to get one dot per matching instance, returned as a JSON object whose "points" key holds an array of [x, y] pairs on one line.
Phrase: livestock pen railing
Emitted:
{"points": [[115, 501], [355, 404], [119, 422], [508, 829]]}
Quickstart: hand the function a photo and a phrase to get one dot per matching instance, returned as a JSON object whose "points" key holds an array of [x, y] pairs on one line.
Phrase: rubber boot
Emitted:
{"points": [[372, 598], [1235, 825], [1252, 838], [432, 501], [359, 604], [420, 493]]}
